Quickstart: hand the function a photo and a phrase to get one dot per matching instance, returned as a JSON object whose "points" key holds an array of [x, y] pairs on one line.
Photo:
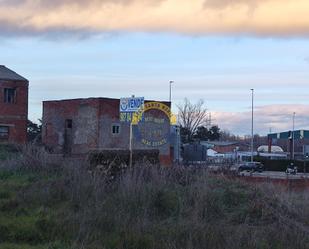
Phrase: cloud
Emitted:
{"points": [[275, 117], [195, 17], [230, 3]]}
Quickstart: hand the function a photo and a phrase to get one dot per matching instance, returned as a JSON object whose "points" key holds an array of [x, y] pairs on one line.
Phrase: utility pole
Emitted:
{"points": [[293, 137], [252, 98], [170, 98]]}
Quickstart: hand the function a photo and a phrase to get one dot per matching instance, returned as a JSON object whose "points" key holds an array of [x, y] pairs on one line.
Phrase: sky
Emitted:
{"points": [[215, 50]]}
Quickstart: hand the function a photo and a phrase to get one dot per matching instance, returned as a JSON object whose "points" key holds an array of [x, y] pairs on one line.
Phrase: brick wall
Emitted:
{"points": [[81, 136], [92, 123], [14, 115]]}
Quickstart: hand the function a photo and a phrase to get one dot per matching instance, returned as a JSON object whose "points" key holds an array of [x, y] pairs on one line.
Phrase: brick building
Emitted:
{"points": [[13, 106], [76, 126]]}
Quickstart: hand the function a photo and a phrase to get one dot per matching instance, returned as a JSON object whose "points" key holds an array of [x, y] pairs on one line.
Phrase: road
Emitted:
{"points": [[275, 175], [264, 174]]}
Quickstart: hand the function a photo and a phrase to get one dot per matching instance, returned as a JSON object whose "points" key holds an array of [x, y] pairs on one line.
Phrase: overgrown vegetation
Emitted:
{"points": [[7, 151], [34, 132], [51, 203]]}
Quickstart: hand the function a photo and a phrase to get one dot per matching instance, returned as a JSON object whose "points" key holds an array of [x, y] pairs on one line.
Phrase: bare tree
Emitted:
{"points": [[191, 116], [226, 135]]}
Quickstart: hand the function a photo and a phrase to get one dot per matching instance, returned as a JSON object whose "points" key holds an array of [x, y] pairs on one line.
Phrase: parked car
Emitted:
{"points": [[251, 166]]}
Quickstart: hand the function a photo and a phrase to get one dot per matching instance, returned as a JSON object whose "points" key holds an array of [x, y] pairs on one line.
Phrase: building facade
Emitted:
{"points": [[76, 126], [13, 107], [226, 146], [291, 142]]}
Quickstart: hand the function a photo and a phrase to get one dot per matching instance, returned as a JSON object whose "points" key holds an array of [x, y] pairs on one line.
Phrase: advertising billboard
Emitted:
{"points": [[129, 105]]}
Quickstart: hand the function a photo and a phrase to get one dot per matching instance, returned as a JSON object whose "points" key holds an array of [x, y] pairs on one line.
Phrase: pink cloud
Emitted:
{"points": [[261, 17], [275, 117]]}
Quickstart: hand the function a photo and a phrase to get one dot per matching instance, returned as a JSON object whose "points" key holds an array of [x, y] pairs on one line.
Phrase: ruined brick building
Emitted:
{"points": [[76, 126], [13, 106]]}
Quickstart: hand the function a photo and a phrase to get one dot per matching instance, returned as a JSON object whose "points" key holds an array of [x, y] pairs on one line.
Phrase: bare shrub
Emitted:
{"points": [[32, 158], [154, 207], [183, 208]]}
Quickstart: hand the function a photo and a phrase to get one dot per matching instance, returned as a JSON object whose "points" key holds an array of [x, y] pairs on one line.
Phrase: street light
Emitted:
{"points": [[252, 97], [293, 136], [171, 82]]}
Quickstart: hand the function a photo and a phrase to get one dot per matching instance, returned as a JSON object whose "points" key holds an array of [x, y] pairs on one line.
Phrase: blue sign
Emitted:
{"points": [[129, 105]]}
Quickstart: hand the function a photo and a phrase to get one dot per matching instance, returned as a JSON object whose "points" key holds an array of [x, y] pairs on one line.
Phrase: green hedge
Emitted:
{"points": [[114, 161]]}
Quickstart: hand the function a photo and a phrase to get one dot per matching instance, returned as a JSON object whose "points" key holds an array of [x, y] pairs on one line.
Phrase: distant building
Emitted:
{"points": [[13, 106], [76, 126], [285, 141], [194, 152], [226, 146], [202, 151]]}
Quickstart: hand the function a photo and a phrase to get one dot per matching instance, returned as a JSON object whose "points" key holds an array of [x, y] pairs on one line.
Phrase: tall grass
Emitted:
{"points": [[154, 207], [31, 158]]}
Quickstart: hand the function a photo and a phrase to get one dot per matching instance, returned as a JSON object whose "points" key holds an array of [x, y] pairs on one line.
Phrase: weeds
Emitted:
{"points": [[51, 203]]}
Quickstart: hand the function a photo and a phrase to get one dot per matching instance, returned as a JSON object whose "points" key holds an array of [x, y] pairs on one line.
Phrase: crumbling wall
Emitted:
{"points": [[83, 115], [85, 128]]}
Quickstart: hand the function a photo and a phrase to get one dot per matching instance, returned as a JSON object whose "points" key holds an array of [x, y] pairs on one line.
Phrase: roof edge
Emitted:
{"points": [[18, 78]]}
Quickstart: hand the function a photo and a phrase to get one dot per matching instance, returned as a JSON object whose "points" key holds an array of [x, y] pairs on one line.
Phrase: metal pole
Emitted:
{"points": [[293, 137], [170, 98], [252, 98], [130, 145]]}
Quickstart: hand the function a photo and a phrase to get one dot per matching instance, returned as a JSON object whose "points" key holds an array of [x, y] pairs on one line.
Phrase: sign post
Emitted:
{"points": [[127, 108], [130, 145]]}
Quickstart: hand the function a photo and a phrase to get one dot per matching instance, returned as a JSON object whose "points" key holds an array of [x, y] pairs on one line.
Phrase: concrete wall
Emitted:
{"points": [[15, 115]]}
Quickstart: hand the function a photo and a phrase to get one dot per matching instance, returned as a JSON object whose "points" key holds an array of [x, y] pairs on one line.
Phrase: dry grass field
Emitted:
{"points": [[60, 204]]}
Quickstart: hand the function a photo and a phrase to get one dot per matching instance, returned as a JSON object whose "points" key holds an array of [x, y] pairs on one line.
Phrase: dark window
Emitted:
{"points": [[9, 95], [4, 132], [116, 129], [68, 124]]}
